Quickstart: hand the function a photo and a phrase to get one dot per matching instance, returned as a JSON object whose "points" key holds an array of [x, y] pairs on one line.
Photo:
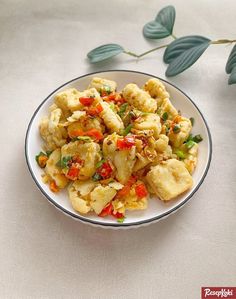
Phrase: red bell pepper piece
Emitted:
{"points": [[86, 101], [141, 190], [126, 143]]}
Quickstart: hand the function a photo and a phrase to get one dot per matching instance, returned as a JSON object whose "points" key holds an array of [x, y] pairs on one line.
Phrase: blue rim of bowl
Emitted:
{"points": [[137, 223]]}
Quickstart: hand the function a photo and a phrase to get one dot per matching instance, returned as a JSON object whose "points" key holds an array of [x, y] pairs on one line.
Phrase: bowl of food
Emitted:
{"points": [[118, 148]]}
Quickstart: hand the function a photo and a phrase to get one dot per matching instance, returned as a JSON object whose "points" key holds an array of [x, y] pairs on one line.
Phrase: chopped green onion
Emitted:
{"points": [[189, 144], [176, 129], [82, 138], [190, 137], [127, 130], [197, 138], [99, 164], [106, 89], [112, 106], [180, 154], [48, 153], [164, 116], [192, 121], [159, 111], [123, 108], [39, 155], [96, 177], [121, 220], [63, 163]]}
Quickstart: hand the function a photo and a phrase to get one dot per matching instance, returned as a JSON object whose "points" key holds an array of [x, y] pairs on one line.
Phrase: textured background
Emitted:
{"points": [[43, 253]]}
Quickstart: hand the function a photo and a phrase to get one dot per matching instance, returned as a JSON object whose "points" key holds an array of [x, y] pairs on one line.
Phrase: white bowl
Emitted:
{"points": [[156, 208]]}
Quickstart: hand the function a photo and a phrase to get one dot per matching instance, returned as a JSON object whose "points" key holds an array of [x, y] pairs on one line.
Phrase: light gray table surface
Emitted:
{"points": [[43, 253]]}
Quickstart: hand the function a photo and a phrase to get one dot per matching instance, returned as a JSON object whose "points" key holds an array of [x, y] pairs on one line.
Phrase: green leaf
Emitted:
{"points": [[232, 77], [162, 26], [231, 63], [104, 52], [184, 52], [182, 44]]}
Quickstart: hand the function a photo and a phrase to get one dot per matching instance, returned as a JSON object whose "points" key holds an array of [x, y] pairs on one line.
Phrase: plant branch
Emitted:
{"points": [[145, 53], [223, 41], [214, 42]]}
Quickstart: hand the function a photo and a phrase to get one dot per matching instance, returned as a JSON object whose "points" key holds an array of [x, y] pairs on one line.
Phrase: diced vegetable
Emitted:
{"points": [[198, 138], [83, 138], [118, 215], [105, 170], [63, 163], [180, 154], [192, 121], [141, 190], [94, 111], [41, 159], [189, 144], [105, 90], [121, 220], [126, 143], [76, 133], [123, 108], [95, 133], [127, 130], [164, 116], [107, 210], [176, 129], [86, 101], [72, 173], [53, 187], [126, 189], [48, 153], [96, 177], [99, 164]]}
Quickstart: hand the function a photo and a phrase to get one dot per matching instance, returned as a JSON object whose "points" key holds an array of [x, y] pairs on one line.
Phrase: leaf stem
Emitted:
{"points": [[145, 53], [223, 41], [214, 42]]}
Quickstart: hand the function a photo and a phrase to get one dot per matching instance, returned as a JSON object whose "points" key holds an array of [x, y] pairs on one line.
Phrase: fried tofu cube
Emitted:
{"points": [[169, 179]]}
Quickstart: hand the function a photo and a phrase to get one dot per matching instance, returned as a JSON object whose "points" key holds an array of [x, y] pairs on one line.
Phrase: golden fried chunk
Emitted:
{"points": [[139, 98], [103, 85], [169, 179], [100, 197], [157, 90], [53, 171]]}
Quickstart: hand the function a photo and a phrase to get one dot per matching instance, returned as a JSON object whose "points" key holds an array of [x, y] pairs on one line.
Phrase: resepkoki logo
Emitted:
{"points": [[218, 292]]}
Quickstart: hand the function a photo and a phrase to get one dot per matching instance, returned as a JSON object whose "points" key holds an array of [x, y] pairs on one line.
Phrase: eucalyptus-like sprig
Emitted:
{"points": [[180, 54]]}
